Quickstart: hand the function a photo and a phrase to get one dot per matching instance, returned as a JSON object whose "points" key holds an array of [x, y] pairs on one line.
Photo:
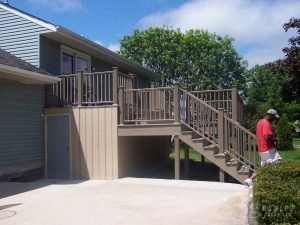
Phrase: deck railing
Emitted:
{"points": [[228, 99], [97, 88], [145, 105]]}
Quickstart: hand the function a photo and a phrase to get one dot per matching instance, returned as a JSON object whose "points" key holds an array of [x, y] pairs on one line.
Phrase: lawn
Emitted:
{"points": [[291, 155]]}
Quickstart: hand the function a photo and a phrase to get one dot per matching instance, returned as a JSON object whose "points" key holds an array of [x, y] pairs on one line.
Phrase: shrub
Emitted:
{"points": [[284, 134], [277, 193]]}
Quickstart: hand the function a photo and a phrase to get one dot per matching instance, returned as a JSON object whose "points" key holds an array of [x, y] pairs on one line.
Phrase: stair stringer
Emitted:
{"points": [[218, 160]]}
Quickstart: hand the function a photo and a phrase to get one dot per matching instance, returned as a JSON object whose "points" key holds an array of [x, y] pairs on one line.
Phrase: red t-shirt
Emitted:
{"points": [[264, 128]]}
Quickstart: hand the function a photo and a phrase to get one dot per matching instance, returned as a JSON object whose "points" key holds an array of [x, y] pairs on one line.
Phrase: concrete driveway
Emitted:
{"points": [[129, 201]]}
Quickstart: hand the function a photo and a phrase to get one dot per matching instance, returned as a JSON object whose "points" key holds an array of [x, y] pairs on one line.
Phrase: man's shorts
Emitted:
{"points": [[270, 156]]}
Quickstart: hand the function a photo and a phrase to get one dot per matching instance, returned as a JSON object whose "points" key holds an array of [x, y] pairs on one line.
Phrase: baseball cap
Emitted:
{"points": [[273, 112]]}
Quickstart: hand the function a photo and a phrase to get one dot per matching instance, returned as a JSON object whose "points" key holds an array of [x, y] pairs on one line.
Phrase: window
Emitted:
{"points": [[67, 63], [73, 61]]}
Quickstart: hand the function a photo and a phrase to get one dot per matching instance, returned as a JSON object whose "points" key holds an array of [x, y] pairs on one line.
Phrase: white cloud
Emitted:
{"points": [[257, 24], [58, 5], [114, 47]]}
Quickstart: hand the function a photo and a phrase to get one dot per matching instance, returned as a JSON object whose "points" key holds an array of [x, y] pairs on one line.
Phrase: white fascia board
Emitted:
{"points": [[32, 19], [28, 76]]}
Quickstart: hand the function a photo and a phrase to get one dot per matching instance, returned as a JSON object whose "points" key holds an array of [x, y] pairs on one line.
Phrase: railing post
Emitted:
{"points": [[234, 102], [176, 102], [152, 98], [121, 105], [80, 88], [133, 80], [115, 85], [221, 141]]}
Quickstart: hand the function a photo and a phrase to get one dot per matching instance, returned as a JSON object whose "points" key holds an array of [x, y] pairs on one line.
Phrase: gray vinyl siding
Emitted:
{"points": [[49, 55], [99, 65], [21, 126], [20, 36]]}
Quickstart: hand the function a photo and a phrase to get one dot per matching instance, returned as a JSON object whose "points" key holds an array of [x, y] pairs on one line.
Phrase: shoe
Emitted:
{"points": [[248, 182]]}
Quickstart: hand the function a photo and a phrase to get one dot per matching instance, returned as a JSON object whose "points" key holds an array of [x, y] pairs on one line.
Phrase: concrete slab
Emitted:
{"points": [[129, 201]]}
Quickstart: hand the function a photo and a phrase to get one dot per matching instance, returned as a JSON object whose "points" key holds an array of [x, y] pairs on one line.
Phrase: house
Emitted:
{"points": [[60, 51], [21, 115], [103, 121]]}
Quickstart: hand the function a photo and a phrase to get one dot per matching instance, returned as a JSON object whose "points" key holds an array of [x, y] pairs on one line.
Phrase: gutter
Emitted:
{"points": [[28, 75]]}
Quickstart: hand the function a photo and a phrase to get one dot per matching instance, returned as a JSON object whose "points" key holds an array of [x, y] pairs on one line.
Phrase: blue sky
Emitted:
{"points": [[256, 25]]}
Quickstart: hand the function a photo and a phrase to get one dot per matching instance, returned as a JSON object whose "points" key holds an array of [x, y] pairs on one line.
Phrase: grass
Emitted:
{"points": [[294, 154], [193, 154]]}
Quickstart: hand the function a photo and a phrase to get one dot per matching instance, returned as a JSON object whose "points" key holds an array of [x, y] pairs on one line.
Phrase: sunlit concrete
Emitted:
{"points": [[129, 201]]}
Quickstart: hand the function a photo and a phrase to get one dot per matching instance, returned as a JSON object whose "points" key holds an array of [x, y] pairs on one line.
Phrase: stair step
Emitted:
{"points": [[186, 132], [197, 140], [210, 147], [244, 170], [232, 162], [220, 155]]}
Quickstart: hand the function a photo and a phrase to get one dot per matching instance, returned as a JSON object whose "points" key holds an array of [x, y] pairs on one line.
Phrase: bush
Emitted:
{"points": [[284, 134], [277, 193]]}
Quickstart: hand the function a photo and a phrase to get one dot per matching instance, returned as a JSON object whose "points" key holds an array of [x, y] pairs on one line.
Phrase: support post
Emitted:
{"points": [[80, 88], [234, 103], [115, 85], [221, 175], [202, 159], [186, 161], [176, 102], [177, 158], [121, 105]]}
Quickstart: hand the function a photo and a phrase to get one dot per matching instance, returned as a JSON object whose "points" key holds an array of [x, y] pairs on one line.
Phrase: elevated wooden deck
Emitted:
{"points": [[211, 117]]}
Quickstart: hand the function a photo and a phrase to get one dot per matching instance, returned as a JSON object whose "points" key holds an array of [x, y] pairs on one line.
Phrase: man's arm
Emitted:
{"points": [[270, 138]]}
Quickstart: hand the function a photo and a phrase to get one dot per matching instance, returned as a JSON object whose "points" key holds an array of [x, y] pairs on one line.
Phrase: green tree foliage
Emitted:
{"points": [[264, 91], [284, 134], [197, 58]]}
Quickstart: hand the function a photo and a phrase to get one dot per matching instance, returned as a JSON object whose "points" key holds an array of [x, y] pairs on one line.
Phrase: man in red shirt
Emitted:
{"points": [[266, 142]]}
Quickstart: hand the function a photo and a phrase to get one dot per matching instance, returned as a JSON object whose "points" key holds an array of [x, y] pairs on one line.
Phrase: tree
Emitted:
{"points": [[196, 58], [264, 91], [291, 63], [284, 136]]}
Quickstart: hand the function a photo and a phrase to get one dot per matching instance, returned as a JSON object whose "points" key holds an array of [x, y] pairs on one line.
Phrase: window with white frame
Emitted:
{"points": [[73, 61]]}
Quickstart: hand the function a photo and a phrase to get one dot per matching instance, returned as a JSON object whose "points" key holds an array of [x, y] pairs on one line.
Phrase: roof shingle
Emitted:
{"points": [[13, 61]]}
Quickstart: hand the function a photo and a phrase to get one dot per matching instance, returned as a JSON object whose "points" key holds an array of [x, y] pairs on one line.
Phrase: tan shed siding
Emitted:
{"points": [[21, 125], [20, 37], [94, 142]]}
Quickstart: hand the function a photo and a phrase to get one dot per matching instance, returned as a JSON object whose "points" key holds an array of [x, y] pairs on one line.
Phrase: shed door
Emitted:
{"points": [[58, 155]]}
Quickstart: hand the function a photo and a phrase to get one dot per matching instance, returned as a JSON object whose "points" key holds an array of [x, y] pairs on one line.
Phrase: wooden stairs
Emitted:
{"points": [[210, 151]]}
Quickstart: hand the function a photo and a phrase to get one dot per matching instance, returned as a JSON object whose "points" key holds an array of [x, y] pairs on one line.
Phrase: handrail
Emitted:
{"points": [[199, 116], [219, 129]]}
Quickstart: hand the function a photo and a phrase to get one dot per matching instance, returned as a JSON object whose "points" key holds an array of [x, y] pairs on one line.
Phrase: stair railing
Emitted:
{"points": [[199, 116], [240, 143], [219, 129]]}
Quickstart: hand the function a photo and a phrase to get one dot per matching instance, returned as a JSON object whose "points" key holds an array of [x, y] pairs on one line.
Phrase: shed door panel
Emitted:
{"points": [[58, 160]]}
